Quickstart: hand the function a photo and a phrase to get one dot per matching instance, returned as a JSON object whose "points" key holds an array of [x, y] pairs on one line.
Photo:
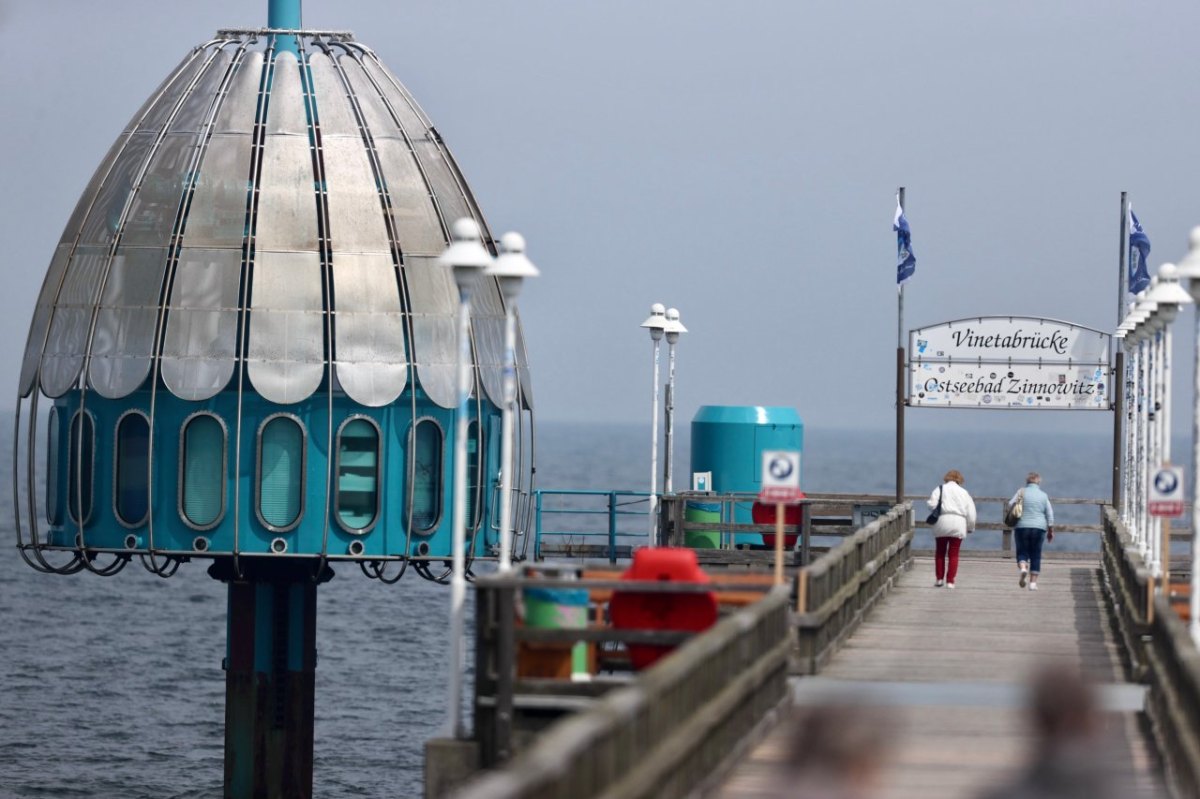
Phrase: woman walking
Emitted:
{"points": [[955, 519], [1033, 528]]}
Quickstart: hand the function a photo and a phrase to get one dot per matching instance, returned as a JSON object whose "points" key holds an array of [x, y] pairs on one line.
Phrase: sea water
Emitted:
{"points": [[112, 687]]}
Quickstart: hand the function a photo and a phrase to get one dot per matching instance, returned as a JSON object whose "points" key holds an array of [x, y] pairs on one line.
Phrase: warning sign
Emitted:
{"points": [[1166, 492]]}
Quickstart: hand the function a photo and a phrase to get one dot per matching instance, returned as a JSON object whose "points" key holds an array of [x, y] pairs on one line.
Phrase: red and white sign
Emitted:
{"points": [[1166, 492], [780, 477]]}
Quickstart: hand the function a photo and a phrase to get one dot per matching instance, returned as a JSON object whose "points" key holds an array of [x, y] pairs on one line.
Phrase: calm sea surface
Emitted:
{"points": [[112, 687]]}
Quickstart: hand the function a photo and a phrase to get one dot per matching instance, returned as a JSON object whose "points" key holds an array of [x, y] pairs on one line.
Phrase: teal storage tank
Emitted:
{"points": [[728, 440]]}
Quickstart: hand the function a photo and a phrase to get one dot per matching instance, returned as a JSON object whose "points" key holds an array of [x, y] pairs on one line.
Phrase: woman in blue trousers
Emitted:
{"points": [[1035, 527]]}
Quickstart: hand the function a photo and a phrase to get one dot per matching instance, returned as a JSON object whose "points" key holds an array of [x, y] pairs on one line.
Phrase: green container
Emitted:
{"points": [[707, 512], [561, 609]]}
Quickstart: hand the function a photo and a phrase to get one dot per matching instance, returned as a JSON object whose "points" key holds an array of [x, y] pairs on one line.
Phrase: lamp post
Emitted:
{"points": [[673, 328], [656, 324], [1189, 268], [1121, 336], [1169, 296], [510, 268], [1142, 334], [467, 257]]}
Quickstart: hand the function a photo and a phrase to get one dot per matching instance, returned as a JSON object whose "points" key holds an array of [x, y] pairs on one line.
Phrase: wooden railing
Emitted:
{"points": [[664, 733], [1161, 653], [835, 593]]}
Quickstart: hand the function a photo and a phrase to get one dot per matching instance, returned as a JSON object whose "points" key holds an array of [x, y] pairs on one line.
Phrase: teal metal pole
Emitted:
{"points": [[270, 669], [284, 14]]}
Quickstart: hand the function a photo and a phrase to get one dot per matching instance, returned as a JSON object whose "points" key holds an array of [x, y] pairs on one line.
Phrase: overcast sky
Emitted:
{"points": [[737, 160]]}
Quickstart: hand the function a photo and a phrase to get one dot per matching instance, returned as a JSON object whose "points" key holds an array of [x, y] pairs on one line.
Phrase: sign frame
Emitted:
{"points": [[1064, 351], [1164, 497]]}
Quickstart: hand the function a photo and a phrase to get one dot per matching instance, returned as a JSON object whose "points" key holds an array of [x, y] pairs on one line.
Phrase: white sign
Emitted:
{"points": [[1017, 339], [1166, 492], [1016, 385], [780, 476]]}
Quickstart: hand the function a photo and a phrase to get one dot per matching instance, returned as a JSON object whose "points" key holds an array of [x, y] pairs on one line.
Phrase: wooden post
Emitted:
{"points": [[802, 590], [779, 506], [1165, 558]]}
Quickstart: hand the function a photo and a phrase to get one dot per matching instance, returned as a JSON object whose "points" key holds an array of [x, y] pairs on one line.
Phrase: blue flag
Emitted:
{"points": [[1139, 251], [906, 262]]}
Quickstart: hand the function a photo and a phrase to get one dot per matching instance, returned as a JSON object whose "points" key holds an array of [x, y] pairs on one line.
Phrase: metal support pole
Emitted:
{"points": [[270, 676], [1118, 400], [1194, 603], [458, 578], [900, 379], [612, 526], [654, 452], [506, 441], [669, 421]]}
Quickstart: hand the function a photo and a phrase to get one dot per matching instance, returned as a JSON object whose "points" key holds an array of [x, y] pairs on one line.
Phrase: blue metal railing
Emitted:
{"points": [[587, 505]]}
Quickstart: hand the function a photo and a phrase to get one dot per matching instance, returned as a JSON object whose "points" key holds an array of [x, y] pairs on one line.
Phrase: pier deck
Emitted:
{"points": [[949, 668]]}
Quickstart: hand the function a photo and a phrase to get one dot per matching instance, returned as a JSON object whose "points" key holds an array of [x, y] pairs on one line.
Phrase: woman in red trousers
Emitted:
{"points": [[956, 520]]}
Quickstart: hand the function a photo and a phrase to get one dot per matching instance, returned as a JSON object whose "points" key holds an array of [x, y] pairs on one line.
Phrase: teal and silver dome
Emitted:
{"points": [[249, 281]]}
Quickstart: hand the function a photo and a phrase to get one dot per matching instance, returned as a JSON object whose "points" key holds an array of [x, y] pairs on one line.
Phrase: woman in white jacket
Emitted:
{"points": [[956, 520]]}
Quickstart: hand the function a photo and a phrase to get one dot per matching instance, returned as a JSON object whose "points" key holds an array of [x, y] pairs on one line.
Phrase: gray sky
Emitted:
{"points": [[735, 159]]}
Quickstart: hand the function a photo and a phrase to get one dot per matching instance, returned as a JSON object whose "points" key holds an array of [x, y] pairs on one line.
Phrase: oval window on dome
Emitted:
{"points": [[425, 466], [202, 471], [474, 474], [53, 465], [280, 473], [131, 478], [358, 460], [81, 467]]}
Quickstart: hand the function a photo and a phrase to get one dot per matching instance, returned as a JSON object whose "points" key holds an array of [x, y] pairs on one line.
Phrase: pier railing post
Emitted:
{"points": [[612, 526]]}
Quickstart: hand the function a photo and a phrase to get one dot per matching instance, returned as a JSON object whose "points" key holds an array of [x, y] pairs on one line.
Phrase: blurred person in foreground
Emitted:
{"points": [[1069, 757], [835, 751]]}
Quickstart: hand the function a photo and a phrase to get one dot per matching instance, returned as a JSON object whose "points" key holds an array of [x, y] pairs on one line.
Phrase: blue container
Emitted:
{"points": [[728, 440]]}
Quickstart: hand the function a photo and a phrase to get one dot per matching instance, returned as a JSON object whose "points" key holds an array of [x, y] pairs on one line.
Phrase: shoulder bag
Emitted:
{"points": [[1012, 514], [936, 512]]}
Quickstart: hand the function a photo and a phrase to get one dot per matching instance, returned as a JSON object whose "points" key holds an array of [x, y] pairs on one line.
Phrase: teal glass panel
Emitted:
{"points": [[53, 465], [133, 460], [281, 472], [358, 475], [427, 474], [474, 469], [203, 465], [80, 472]]}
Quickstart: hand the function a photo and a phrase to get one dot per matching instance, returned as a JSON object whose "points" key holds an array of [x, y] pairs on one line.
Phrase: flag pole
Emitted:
{"points": [[900, 378], [1117, 395], [1123, 260]]}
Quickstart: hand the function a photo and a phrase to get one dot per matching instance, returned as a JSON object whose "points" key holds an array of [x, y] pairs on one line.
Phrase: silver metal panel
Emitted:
{"points": [[237, 114], [155, 205], [63, 358], [168, 96], [217, 214], [100, 226], [434, 300], [441, 177], [378, 118], [194, 110], [356, 215], [414, 122], [286, 351], [123, 340], [89, 194], [487, 321], [368, 328], [200, 346], [333, 109], [285, 113], [415, 219], [287, 214], [42, 313]]}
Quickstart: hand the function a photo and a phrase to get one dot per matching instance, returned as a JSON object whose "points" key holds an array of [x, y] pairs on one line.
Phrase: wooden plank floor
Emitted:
{"points": [[944, 672]]}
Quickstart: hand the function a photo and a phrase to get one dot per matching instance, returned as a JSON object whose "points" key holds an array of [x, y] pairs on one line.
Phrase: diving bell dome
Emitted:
{"points": [[246, 317]]}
